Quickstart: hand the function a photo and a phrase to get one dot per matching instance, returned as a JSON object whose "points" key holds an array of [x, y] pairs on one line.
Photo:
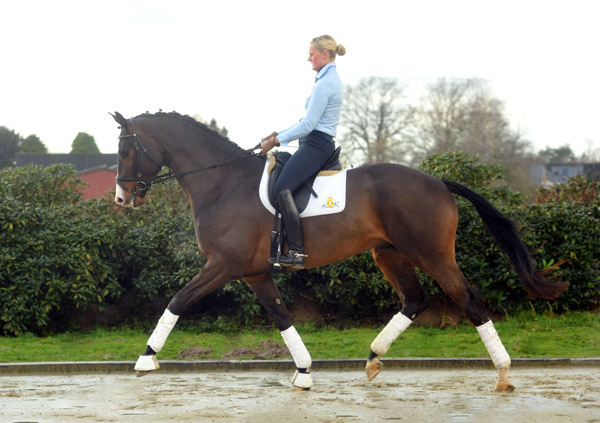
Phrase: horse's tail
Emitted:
{"points": [[505, 232]]}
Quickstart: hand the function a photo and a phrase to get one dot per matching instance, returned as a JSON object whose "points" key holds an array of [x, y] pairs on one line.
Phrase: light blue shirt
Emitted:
{"points": [[323, 107]]}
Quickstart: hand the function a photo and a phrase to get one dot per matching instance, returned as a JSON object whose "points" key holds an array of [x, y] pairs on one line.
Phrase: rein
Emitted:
{"points": [[141, 185], [170, 175]]}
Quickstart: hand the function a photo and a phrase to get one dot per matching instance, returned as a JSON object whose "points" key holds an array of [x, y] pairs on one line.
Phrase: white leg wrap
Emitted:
{"points": [[492, 342], [146, 363], [297, 349], [394, 328], [162, 331]]}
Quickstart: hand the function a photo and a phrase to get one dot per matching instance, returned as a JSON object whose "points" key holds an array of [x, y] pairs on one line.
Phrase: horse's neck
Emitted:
{"points": [[187, 154], [234, 169]]}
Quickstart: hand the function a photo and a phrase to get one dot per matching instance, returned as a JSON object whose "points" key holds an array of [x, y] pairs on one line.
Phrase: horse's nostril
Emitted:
{"points": [[120, 200]]}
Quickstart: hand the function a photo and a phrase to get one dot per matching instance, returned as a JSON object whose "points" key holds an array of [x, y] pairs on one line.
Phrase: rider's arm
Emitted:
{"points": [[316, 106]]}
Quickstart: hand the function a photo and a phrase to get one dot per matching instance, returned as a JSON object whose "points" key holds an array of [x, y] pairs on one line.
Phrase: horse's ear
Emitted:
{"points": [[118, 117]]}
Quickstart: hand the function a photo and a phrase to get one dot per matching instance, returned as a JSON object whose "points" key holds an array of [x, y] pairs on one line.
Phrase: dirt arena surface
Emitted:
{"points": [[544, 395]]}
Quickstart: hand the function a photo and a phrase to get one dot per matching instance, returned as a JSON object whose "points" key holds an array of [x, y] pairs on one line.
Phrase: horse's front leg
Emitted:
{"points": [[213, 276], [267, 293]]}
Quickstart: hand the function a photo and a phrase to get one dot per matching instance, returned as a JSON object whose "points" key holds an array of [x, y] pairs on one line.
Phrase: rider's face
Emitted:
{"points": [[317, 58]]}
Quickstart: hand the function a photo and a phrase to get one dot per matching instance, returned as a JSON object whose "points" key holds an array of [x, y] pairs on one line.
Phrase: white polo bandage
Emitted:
{"points": [[393, 329], [297, 349], [163, 329], [494, 345]]}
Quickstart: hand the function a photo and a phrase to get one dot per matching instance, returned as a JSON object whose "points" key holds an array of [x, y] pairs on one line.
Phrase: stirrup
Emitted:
{"points": [[293, 259], [274, 261]]}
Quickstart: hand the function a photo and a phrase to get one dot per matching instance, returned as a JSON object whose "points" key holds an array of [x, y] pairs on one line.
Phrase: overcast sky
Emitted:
{"points": [[65, 64]]}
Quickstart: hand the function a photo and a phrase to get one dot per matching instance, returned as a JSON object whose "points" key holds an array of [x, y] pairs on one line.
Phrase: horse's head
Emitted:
{"points": [[139, 161]]}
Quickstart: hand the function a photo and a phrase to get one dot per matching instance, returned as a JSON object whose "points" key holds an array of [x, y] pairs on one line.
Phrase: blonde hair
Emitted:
{"points": [[326, 42]]}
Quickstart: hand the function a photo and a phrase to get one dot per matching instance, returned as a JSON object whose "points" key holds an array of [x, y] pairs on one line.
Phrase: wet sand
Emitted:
{"points": [[544, 395]]}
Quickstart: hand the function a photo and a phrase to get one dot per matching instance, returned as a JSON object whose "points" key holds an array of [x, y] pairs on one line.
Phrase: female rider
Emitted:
{"points": [[315, 132]]}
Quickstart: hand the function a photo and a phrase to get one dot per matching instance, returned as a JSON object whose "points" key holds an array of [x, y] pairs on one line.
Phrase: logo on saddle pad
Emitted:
{"points": [[331, 191], [330, 203]]}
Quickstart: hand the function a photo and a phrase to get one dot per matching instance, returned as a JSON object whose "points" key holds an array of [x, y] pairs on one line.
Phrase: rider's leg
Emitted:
{"points": [[300, 167]]}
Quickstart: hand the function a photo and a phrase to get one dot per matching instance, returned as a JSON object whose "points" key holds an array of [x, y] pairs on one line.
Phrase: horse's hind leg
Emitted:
{"points": [[400, 272], [267, 293], [456, 286]]}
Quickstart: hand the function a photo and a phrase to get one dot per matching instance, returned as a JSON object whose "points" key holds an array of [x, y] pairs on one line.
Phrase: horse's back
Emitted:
{"points": [[396, 182], [408, 203]]}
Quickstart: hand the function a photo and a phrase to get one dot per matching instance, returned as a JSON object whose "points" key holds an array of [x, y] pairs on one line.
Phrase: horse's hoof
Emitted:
{"points": [[145, 364], [504, 387], [373, 369], [302, 381]]}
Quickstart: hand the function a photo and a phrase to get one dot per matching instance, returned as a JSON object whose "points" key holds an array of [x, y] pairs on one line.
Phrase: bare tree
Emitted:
{"points": [[591, 153], [443, 118], [378, 122], [562, 154], [489, 133], [463, 115]]}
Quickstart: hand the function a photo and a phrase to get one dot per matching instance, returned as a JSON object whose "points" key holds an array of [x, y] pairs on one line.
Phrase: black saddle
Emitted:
{"points": [[303, 192]]}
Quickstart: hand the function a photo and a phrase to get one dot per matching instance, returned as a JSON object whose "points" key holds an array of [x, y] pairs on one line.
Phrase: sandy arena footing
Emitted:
{"points": [[546, 395]]}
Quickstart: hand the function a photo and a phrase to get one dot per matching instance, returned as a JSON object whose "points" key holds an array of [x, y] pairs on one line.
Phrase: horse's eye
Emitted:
{"points": [[124, 148]]}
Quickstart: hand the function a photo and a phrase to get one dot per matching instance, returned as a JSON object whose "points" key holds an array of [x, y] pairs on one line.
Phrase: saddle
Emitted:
{"points": [[303, 192]]}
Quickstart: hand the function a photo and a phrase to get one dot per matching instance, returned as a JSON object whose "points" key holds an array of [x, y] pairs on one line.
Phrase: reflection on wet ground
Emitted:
{"points": [[549, 395]]}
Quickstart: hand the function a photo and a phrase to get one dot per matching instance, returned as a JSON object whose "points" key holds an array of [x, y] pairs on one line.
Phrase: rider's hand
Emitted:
{"points": [[267, 143], [273, 134]]}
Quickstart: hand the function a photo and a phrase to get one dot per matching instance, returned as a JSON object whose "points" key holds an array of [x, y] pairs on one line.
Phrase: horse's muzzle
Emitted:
{"points": [[126, 198]]}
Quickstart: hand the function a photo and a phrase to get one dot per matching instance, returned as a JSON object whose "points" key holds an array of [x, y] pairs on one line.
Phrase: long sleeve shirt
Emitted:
{"points": [[323, 107]]}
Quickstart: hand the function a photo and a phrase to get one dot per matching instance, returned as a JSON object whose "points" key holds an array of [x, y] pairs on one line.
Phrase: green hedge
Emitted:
{"points": [[54, 253], [60, 256], [563, 236]]}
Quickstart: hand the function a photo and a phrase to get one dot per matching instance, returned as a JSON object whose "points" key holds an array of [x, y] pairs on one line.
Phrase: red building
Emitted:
{"points": [[99, 181], [97, 170]]}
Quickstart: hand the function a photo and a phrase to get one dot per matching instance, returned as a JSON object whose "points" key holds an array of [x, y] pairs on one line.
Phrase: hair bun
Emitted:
{"points": [[340, 50]]}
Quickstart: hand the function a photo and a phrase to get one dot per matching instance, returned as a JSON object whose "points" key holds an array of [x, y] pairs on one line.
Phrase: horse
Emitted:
{"points": [[406, 218]]}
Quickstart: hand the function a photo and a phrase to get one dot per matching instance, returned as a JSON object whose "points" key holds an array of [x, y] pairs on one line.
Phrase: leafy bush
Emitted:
{"points": [[346, 292], [43, 186], [565, 225], [59, 255], [53, 255], [563, 236]]}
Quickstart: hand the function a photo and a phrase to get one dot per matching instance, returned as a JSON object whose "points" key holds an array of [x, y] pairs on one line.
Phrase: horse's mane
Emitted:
{"points": [[190, 120]]}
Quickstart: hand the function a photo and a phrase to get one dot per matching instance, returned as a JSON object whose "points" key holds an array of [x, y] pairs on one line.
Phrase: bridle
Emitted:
{"points": [[140, 185]]}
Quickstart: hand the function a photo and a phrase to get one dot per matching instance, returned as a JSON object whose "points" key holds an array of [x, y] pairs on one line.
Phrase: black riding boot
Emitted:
{"points": [[294, 258]]}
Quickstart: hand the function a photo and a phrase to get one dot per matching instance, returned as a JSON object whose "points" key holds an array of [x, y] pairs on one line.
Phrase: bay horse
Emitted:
{"points": [[406, 218]]}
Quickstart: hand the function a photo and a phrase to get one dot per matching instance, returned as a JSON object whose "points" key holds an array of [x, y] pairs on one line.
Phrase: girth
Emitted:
{"points": [[303, 192]]}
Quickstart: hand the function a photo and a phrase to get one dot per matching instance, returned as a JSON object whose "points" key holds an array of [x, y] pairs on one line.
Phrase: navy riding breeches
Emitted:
{"points": [[315, 149]]}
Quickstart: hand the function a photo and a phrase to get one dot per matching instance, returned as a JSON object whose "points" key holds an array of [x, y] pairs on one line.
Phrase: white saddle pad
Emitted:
{"points": [[331, 191]]}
